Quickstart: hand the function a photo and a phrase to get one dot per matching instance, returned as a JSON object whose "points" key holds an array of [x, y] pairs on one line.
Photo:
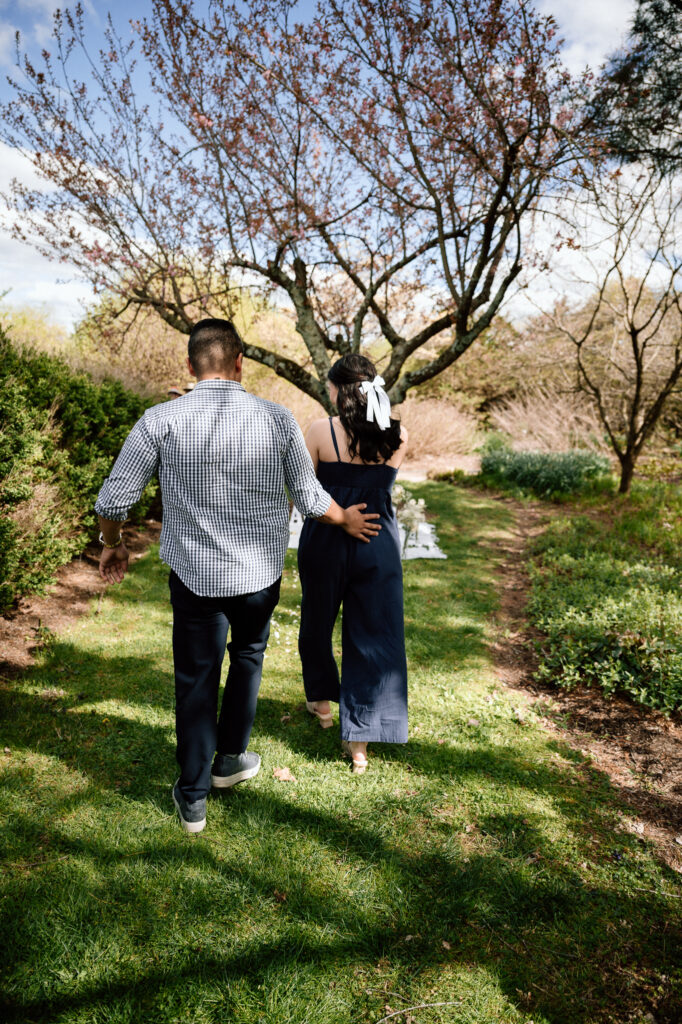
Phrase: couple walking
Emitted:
{"points": [[226, 460]]}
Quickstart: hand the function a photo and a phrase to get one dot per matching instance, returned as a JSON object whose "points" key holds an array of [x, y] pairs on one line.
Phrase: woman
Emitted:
{"points": [[356, 456]]}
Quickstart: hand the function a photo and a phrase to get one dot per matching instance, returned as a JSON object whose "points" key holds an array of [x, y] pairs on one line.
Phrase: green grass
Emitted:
{"points": [[607, 593], [484, 865]]}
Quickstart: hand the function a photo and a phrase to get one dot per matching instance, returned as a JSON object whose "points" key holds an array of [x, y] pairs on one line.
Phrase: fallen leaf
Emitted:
{"points": [[285, 718], [446, 945], [281, 897], [7, 750], [678, 839], [284, 775], [409, 938]]}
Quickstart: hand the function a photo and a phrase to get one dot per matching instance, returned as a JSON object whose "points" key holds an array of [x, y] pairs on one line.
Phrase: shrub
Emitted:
{"points": [[544, 474], [610, 608], [59, 435]]}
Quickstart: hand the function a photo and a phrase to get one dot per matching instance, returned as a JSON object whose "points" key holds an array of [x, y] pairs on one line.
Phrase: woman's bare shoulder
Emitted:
{"points": [[316, 427]]}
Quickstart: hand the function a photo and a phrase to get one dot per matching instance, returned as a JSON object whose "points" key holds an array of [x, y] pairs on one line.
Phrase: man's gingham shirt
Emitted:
{"points": [[223, 457]]}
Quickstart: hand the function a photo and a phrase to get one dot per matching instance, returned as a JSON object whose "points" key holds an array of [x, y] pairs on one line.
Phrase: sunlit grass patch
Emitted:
{"points": [[483, 866]]}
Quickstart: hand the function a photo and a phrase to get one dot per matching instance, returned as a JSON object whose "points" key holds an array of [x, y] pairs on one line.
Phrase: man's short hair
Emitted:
{"points": [[214, 345]]}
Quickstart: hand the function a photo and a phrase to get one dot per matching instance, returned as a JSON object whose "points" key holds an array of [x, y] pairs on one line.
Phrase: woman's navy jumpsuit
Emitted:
{"points": [[367, 579]]}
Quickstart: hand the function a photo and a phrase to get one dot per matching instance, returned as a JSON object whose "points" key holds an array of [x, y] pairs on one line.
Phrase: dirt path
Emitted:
{"points": [[77, 584], [639, 749]]}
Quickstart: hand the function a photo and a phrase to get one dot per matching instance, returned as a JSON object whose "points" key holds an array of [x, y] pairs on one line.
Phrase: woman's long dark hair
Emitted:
{"points": [[364, 438]]}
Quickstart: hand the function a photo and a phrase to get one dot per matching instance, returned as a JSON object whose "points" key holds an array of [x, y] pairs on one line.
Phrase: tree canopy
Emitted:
{"points": [[637, 104], [374, 168]]}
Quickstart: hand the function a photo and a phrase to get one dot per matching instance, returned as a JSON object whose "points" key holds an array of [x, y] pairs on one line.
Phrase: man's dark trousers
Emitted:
{"points": [[200, 626]]}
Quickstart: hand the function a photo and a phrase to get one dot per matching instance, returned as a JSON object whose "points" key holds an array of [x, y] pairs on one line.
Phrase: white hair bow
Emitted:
{"points": [[378, 402]]}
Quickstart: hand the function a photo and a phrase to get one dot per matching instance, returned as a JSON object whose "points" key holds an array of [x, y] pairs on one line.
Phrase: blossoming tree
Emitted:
{"points": [[376, 168]]}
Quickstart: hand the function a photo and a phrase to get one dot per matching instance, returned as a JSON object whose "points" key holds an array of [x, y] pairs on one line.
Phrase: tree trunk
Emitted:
{"points": [[627, 469]]}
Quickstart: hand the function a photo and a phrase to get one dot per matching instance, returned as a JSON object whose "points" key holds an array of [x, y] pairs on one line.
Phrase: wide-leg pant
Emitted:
{"points": [[200, 627], [335, 569]]}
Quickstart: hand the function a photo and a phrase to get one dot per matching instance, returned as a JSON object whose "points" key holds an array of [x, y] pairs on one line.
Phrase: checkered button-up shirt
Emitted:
{"points": [[223, 457]]}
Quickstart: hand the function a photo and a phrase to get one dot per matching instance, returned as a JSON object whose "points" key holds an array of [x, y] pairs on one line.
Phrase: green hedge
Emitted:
{"points": [[59, 434], [609, 605], [546, 474]]}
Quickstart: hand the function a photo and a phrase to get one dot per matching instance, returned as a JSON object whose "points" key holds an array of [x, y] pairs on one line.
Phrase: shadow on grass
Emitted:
{"points": [[501, 894], [124, 918]]}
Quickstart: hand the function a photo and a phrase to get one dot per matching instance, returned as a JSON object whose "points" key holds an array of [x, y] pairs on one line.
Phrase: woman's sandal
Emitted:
{"points": [[359, 760], [325, 718]]}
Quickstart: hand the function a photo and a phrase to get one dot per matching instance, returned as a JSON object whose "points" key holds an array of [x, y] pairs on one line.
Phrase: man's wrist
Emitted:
{"points": [[116, 544]]}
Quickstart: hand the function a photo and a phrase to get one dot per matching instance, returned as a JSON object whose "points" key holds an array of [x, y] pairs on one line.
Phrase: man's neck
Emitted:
{"points": [[218, 376]]}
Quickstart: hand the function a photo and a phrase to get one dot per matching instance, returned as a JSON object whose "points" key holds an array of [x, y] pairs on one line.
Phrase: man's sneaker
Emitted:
{"points": [[192, 815], [228, 771]]}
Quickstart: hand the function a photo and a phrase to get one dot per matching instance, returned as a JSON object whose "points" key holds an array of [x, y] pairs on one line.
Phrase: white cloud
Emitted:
{"points": [[13, 164], [6, 45], [35, 21], [592, 29], [32, 18], [31, 278]]}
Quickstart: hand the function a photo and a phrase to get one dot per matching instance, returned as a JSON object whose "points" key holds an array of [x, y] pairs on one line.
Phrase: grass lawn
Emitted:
{"points": [[483, 869], [607, 593]]}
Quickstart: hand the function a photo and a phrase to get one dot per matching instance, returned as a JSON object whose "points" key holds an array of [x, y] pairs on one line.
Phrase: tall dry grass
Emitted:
{"points": [[33, 327], [545, 420], [438, 428], [149, 357]]}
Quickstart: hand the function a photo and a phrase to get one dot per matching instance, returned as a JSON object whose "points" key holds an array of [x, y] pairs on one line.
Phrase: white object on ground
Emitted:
{"points": [[422, 545]]}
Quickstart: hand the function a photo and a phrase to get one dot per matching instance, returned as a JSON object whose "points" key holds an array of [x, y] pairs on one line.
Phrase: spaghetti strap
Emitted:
{"points": [[336, 447]]}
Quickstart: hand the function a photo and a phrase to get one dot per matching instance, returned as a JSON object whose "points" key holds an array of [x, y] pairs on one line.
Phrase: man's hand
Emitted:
{"points": [[352, 520], [113, 563], [360, 525]]}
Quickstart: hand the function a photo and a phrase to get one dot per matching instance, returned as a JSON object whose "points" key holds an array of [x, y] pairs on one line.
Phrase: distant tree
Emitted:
{"points": [[375, 168], [627, 336], [637, 105]]}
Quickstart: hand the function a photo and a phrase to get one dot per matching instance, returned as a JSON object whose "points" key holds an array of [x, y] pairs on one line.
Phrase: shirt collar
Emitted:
{"points": [[217, 382]]}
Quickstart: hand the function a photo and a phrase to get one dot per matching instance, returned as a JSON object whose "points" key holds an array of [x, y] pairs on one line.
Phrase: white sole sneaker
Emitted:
{"points": [[189, 826], [225, 781]]}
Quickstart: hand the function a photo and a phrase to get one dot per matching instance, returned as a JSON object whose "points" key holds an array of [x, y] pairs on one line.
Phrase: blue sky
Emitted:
{"points": [[592, 29]]}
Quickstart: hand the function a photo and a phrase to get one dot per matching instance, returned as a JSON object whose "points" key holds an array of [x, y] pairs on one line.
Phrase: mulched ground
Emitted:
{"points": [[78, 583]]}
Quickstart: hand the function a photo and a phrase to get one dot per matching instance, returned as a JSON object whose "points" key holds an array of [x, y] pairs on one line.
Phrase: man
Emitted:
{"points": [[224, 458]]}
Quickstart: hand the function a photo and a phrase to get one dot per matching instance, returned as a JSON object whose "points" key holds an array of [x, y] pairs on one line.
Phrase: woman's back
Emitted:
{"points": [[356, 456], [328, 442]]}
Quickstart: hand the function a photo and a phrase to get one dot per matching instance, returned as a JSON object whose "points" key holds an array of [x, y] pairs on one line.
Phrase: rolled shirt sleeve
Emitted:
{"points": [[135, 466], [306, 491]]}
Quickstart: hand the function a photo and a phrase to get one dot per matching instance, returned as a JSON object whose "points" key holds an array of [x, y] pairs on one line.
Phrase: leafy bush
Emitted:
{"points": [[610, 608], [546, 474], [59, 434]]}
